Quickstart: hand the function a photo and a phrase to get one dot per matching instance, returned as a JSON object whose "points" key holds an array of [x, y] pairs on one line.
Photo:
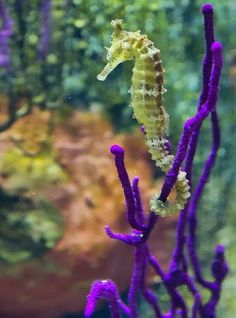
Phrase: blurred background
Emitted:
{"points": [[58, 184]]}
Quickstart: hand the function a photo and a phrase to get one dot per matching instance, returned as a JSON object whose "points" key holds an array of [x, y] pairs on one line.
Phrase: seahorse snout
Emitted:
{"points": [[108, 69]]}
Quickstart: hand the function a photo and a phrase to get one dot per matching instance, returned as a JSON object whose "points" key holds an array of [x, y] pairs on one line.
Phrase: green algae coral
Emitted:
{"points": [[38, 170], [30, 225], [30, 144], [28, 230]]}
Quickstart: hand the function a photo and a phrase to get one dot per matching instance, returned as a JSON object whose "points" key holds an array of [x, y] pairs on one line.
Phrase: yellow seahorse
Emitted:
{"points": [[147, 103]]}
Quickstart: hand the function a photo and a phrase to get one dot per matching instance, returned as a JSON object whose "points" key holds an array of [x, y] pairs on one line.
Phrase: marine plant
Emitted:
{"points": [[30, 70], [185, 267]]}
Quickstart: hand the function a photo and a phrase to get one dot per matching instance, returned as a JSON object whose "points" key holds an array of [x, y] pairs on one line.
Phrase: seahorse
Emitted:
{"points": [[147, 102]]}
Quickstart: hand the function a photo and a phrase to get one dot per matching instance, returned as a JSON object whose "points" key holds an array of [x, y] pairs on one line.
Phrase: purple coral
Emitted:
{"points": [[106, 290], [6, 31], [46, 29], [180, 272]]}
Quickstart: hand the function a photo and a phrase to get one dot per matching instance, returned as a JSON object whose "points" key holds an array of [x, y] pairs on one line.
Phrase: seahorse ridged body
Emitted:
{"points": [[147, 103]]}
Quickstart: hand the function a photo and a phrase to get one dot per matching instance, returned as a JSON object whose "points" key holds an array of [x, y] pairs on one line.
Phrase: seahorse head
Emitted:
{"points": [[121, 49]]}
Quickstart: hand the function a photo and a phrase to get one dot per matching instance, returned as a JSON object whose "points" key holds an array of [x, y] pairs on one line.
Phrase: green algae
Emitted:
{"points": [[38, 170], [28, 229]]}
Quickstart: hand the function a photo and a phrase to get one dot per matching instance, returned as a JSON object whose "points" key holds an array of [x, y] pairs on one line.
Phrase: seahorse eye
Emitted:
{"points": [[126, 46]]}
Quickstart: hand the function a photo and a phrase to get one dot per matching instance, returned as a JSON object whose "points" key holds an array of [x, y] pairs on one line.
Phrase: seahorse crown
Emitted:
{"points": [[121, 49]]}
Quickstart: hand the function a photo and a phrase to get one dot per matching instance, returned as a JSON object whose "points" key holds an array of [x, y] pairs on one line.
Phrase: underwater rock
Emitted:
{"points": [[76, 175]]}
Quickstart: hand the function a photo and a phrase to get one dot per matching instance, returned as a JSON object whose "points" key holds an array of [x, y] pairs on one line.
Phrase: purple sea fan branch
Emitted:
{"points": [[207, 97], [135, 213], [137, 196], [107, 290], [189, 128], [177, 301], [135, 238], [191, 123], [219, 266], [136, 280], [204, 177], [138, 285], [118, 152], [219, 270], [44, 42], [207, 10], [191, 242], [148, 295]]}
